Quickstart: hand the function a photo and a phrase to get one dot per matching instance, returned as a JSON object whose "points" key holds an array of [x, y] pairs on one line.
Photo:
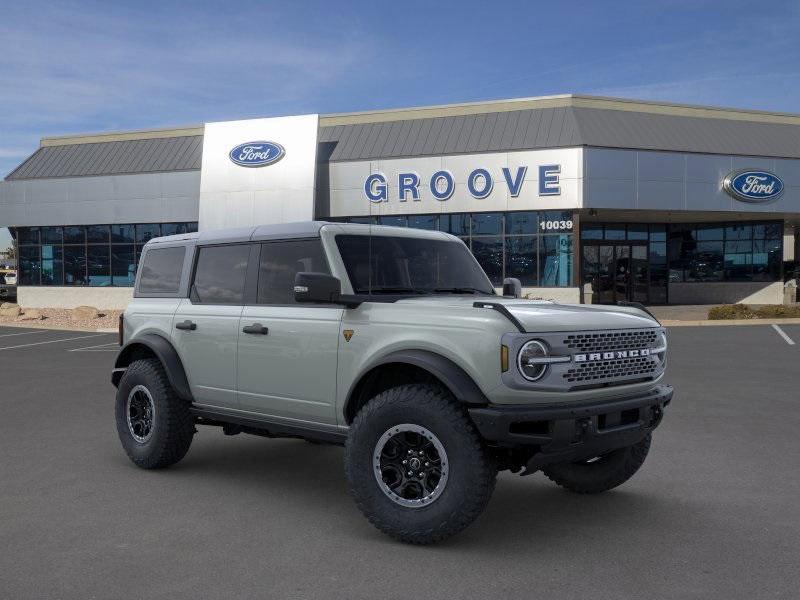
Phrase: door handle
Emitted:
{"points": [[255, 328], [186, 325]]}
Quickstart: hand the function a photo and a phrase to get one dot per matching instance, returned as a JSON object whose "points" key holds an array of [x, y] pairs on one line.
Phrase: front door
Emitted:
{"points": [[616, 271], [288, 352]]}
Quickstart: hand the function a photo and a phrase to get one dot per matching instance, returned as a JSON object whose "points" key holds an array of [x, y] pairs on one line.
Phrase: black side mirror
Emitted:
{"points": [[317, 287], [512, 287]]}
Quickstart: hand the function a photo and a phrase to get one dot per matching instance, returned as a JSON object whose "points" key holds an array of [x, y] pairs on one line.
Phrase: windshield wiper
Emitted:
{"points": [[462, 290]]}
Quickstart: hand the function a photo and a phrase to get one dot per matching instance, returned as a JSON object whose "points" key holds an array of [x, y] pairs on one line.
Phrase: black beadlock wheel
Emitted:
{"points": [[153, 424], [416, 466], [600, 473]]}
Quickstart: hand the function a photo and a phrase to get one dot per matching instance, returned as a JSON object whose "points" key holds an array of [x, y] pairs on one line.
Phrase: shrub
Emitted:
{"points": [[731, 311], [746, 311]]}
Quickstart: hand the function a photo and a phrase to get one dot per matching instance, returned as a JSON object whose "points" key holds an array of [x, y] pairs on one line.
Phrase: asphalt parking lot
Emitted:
{"points": [[714, 513]]}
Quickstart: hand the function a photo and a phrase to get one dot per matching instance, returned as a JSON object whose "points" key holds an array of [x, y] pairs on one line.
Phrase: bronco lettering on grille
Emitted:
{"points": [[594, 356]]}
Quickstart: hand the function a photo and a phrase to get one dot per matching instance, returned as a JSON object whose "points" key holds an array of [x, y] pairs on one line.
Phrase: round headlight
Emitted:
{"points": [[528, 360]]}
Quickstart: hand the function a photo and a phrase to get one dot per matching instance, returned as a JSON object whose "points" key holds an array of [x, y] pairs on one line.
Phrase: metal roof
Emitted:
{"points": [[489, 132], [561, 127], [505, 125], [182, 153]]}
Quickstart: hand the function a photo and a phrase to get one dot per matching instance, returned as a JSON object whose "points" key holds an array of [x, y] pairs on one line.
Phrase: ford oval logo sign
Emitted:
{"points": [[257, 154], [753, 186]]}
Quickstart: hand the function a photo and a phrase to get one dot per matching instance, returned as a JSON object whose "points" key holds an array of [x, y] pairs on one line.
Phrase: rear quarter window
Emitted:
{"points": [[161, 271]]}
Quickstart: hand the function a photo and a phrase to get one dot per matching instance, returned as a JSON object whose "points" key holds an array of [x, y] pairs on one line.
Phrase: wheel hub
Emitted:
{"points": [[140, 411], [410, 465]]}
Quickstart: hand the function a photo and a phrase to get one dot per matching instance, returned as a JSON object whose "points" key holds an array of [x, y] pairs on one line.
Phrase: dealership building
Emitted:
{"points": [[584, 199]]}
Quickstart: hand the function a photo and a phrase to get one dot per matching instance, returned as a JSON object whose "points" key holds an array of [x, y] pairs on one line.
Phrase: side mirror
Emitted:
{"points": [[512, 287], [317, 287]]}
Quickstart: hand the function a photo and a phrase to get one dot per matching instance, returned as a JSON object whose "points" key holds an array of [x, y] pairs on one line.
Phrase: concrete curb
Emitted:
{"points": [[727, 322]]}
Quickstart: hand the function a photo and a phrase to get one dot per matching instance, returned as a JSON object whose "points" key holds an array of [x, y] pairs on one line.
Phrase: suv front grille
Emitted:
{"points": [[602, 371], [616, 340]]}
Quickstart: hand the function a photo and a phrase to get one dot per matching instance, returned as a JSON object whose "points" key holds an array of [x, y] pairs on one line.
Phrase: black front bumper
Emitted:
{"points": [[559, 433]]}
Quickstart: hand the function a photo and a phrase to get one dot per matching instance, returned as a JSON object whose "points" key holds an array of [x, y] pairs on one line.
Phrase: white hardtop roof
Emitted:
{"points": [[302, 229]]}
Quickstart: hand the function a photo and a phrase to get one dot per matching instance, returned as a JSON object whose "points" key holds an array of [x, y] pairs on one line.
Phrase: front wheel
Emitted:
{"points": [[416, 466], [600, 473]]}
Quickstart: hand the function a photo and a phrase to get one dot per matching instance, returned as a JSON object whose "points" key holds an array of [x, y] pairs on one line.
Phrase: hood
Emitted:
{"points": [[541, 315]]}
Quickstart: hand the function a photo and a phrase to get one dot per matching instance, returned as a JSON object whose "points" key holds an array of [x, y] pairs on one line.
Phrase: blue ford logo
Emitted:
{"points": [[753, 186], [257, 154]]}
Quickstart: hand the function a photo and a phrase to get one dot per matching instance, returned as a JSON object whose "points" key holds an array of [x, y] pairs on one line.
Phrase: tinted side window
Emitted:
{"points": [[220, 274], [161, 270], [280, 262]]}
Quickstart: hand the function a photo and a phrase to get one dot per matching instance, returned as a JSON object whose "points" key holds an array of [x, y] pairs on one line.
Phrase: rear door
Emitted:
{"points": [[288, 352], [206, 325]]}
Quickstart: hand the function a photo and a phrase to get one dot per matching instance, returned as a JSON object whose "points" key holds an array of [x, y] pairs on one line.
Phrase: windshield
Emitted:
{"points": [[407, 265]]}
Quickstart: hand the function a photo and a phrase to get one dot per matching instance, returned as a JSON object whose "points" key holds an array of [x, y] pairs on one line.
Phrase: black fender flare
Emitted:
{"points": [[166, 354], [452, 376]]}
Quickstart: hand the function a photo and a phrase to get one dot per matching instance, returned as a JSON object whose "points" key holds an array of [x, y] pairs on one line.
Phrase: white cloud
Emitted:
{"points": [[72, 68]]}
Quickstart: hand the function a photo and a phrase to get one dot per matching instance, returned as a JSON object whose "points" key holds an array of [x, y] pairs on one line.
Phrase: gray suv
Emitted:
{"points": [[391, 342]]}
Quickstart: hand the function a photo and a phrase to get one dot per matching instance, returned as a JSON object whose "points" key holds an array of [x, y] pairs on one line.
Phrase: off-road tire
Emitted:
{"points": [[173, 425], [472, 473], [607, 472]]}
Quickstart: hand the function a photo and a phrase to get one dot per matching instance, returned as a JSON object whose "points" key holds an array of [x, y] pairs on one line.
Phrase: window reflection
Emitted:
{"points": [[93, 255]]}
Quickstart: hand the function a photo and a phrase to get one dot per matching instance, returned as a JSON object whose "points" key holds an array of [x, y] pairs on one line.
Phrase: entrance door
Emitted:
{"points": [[617, 271]]}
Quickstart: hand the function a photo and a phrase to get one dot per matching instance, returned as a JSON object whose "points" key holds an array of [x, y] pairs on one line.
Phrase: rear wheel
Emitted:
{"points": [[153, 424], [600, 473], [416, 466]]}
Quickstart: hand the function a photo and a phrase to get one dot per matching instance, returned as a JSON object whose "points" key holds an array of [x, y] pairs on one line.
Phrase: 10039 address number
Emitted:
{"points": [[556, 225]]}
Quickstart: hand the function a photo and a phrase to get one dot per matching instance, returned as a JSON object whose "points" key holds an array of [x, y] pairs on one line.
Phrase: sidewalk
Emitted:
{"points": [[697, 315]]}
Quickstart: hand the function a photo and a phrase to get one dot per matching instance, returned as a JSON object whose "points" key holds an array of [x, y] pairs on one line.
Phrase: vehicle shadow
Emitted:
{"points": [[522, 509]]}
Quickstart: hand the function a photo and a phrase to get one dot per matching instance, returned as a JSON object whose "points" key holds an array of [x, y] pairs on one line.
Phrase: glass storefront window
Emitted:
{"points": [[52, 265], [94, 255], [122, 234], [74, 235], [489, 252], [658, 233], [508, 244], [98, 260], [591, 231], [75, 265], [394, 221], [739, 231], [614, 231], [27, 235], [487, 224], [52, 235], [637, 232], [97, 234], [456, 224], [146, 232], [428, 222], [29, 264], [742, 251], [522, 223], [555, 260], [174, 228], [709, 232], [521, 259], [123, 265]]}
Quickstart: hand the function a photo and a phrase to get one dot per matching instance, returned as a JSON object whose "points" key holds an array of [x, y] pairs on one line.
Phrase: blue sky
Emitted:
{"points": [[74, 67]]}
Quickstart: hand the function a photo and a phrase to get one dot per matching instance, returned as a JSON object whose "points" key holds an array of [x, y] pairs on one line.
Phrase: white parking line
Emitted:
{"points": [[782, 333], [98, 348], [83, 337], [23, 333]]}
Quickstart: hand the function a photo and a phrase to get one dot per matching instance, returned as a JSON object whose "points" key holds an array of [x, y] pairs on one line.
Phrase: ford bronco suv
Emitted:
{"points": [[393, 343]]}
